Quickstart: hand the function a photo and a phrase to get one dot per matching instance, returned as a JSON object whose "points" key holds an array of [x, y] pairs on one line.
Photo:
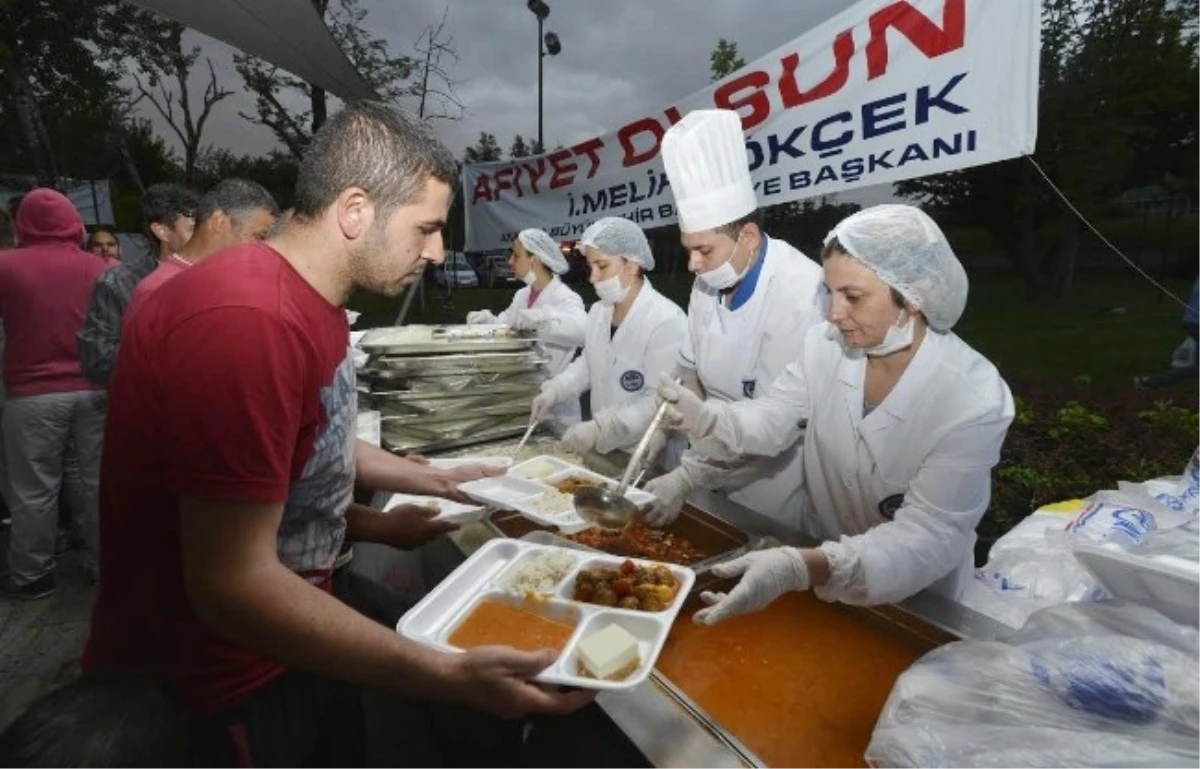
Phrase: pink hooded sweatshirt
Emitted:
{"points": [[45, 286]]}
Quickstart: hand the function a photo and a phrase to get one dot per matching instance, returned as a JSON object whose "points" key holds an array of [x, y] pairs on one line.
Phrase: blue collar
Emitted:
{"points": [[746, 289]]}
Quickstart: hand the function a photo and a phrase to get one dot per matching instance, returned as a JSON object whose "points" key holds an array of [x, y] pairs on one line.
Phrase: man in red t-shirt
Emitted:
{"points": [[231, 460]]}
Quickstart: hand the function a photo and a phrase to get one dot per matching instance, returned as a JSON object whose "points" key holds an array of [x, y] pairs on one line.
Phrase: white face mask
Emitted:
{"points": [[896, 339], [610, 291], [725, 276], [529, 278]]}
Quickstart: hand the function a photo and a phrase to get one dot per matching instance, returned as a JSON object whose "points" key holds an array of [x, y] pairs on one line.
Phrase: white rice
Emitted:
{"points": [[553, 502], [536, 471], [540, 575]]}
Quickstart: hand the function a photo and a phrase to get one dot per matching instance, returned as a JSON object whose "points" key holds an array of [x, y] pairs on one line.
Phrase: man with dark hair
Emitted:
{"points": [[103, 242], [168, 219], [234, 211], [228, 484], [44, 288]]}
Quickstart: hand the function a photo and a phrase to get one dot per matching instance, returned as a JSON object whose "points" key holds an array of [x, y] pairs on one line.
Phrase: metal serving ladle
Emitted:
{"points": [[609, 508]]}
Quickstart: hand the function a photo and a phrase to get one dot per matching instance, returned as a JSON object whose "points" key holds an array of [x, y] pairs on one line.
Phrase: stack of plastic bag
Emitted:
{"points": [[1034, 567], [1106, 684]]}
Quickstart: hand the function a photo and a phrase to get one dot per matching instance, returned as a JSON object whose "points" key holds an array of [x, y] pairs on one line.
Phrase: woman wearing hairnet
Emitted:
{"points": [[545, 305], [632, 340], [904, 424]]}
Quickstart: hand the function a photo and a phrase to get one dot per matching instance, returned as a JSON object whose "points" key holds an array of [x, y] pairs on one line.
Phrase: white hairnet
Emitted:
{"points": [[543, 248], [908, 251], [617, 236]]}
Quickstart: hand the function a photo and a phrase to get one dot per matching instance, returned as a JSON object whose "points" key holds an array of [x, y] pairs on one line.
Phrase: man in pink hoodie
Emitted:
{"points": [[45, 286]]}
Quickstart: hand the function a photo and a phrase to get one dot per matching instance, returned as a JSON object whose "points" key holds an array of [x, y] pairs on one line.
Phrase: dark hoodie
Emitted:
{"points": [[44, 290]]}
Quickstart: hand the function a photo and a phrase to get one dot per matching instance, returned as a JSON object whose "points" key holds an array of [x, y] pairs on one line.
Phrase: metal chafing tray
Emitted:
{"points": [[414, 439], [456, 364], [448, 414], [718, 540], [413, 340], [896, 624]]}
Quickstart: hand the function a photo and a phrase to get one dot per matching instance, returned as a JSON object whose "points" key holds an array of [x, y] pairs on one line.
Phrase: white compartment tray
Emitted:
{"points": [[435, 619], [448, 510], [525, 484]]}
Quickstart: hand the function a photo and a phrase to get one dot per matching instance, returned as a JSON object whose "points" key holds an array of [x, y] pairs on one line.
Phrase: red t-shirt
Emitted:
{"points": [[233, 383], [171, 267]]}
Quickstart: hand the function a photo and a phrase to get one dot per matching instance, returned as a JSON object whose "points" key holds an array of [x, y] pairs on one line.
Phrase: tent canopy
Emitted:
{"points": [[288, 33]]}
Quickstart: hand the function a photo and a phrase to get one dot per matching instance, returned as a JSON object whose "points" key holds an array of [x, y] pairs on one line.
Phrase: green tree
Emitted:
{"points": [[276, 171], [275, 90], [519, 149], [724, 59], [162, 78], [485, 151]]}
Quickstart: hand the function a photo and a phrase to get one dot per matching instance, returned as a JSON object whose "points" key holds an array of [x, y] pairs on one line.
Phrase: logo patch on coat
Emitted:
{"points": [[889, 506], [632, 381], [748, 388]]}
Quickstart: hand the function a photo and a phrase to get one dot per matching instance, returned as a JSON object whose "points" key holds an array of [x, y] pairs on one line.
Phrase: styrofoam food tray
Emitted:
{"points": [[544, 472], [448, 510], [1169, 584], [457, 462], [432, 621]]}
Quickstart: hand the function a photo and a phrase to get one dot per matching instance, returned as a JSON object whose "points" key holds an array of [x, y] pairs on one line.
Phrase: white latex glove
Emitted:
{"points": [[687, 413], [581, 438], [480, 316], [529, 320], [546, 400], [669, 491], [766, 575]]}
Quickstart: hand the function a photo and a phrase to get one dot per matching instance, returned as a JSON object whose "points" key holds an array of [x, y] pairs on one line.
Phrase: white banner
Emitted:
{"points": [[886, 90]]}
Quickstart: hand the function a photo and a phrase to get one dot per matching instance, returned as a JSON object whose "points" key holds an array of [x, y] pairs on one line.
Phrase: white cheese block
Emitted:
{"points": [[608, 651]]}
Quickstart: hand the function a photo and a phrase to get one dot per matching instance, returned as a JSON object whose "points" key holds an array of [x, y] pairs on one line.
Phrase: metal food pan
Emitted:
{"points": [[459, 403], [406, 389], [400, 414], [442, 365], [410, 441], [450, 346], [717, 539]]}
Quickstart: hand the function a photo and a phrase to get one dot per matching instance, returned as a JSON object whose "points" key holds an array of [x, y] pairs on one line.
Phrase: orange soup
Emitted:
{"points": [[800, 683], [498, 623]]}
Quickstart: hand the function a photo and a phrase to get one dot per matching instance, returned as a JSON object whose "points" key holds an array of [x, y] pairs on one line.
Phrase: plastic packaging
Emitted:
{"points": [[1105, 684], [1031, 568]]}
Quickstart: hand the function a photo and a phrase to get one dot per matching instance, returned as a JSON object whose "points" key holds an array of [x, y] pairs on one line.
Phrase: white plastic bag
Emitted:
{"points": [[1102, 684], [1031, 568]]}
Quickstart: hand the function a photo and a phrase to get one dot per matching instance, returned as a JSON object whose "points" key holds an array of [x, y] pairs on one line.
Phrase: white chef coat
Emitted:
{"points": [[559, 337], [623, 370], [900, 490], [738, 351]]}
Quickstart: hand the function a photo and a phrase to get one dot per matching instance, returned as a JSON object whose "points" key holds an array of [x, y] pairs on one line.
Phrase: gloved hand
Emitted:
{"points": [[669, 491], [529, 320], [687, 413], [480, 316], [547, 399], [766, 575], [581, 438]]}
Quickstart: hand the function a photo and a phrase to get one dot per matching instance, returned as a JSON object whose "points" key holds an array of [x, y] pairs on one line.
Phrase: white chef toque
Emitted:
{"points": [[704, 155]]}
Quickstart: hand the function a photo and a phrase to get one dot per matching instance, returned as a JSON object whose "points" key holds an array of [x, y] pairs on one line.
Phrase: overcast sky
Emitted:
{"points": [[620, 59]]}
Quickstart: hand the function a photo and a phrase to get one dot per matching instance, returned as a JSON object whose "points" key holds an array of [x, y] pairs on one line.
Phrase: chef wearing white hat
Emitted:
{"points": [[752, 302], [546, 306]]}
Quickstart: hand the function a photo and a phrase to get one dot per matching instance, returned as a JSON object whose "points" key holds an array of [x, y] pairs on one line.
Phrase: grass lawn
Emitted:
{"points": [[1112, 327]]}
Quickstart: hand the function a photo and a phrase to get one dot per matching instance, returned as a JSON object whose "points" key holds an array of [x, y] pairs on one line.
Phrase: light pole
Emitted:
{"points": [[547, 44]]}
